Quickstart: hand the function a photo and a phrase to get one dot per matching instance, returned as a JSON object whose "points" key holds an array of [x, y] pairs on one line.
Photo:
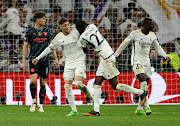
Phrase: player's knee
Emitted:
{"points": [[43, 84], [68, 86], [33, 81], [78, 83]]}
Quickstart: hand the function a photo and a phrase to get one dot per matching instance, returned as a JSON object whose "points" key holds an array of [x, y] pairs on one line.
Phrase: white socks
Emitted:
{"points": [[129, 89], [40, 105], [34, 101], [97, 97], [70, 96], [84, 89], [143, 86], [146, 102]]}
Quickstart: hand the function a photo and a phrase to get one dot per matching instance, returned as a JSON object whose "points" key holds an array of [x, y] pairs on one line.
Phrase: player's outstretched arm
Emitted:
{"points": [[53, 46], [160, 50], [44, 53], [123, 45]]}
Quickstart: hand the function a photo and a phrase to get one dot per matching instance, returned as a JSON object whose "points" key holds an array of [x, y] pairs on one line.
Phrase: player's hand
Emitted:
{"points": [[24, 66], [35, 61], [56, 64], [168, 59]]}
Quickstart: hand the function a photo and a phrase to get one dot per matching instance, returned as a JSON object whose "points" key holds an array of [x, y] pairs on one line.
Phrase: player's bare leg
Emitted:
{"points": [[70, 97], [42, 93], [33, 78], [97, 96], [83, 87]]}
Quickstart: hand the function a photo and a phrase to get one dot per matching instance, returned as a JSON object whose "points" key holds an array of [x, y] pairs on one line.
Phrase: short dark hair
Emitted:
{"points": [[81, 23], [62, 20], [39, 14], [146, 20]]}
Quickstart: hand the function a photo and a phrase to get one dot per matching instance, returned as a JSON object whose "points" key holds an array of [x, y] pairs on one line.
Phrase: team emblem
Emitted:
{"points": [[39, 33], [74, 37], [45, 33]]}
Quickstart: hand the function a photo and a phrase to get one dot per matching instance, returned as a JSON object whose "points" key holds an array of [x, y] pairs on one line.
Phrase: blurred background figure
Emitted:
{"points": [[53, 20], [11, 22], [12, 64]]}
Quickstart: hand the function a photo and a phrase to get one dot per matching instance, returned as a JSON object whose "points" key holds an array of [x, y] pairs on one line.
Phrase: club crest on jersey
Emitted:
{"points": [[39, 33], [74, 37], [45, 33], [150, 39]]}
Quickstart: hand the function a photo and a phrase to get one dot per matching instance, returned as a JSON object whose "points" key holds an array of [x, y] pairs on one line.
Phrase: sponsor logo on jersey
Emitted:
{"points": [[74, 37], [34, 33]]}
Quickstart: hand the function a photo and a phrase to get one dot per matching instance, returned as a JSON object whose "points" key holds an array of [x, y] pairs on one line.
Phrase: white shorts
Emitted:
{"points": [[146, 69], [76, 70], [107, 68]]}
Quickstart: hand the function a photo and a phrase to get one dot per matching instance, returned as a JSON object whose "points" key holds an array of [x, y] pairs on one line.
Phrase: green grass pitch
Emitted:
{"points": [[163, 115]]}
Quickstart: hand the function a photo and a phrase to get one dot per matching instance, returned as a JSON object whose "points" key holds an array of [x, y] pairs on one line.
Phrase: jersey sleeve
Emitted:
{"points": [[159, 49], [124, 44], [27, 37], [56, 42]]}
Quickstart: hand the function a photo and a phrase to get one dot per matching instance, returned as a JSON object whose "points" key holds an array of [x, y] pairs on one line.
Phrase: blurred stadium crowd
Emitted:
{"points": [[120, 18]]}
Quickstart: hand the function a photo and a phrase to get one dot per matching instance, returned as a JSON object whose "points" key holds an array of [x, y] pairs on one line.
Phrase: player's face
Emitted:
{"points": [[42, 21], [65, 27]]}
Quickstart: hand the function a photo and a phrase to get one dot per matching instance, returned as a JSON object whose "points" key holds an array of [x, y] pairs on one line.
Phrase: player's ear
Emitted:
{"points": [[60, 26]]}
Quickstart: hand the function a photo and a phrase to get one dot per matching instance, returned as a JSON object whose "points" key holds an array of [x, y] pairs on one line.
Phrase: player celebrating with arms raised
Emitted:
{"points": [[141, 40], [107, 66], [74, 63], [38, 37]]}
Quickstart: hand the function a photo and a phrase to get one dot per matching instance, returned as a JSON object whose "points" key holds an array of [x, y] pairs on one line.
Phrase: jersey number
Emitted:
{"points": [[97, 39]]}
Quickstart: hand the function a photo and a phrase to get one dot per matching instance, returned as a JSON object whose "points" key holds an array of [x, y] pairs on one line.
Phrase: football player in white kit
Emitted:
{"points": [[141, 40], [107, 66], [74, 61]]}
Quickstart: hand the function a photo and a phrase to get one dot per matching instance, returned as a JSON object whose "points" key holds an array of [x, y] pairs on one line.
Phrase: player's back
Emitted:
{"points": [[141, 46], [39, 40], [93, 37]]}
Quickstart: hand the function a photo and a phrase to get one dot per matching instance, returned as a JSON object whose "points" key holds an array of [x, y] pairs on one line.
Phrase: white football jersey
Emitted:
{"points": [[93, 37], [141, 44], [72, 48]]}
